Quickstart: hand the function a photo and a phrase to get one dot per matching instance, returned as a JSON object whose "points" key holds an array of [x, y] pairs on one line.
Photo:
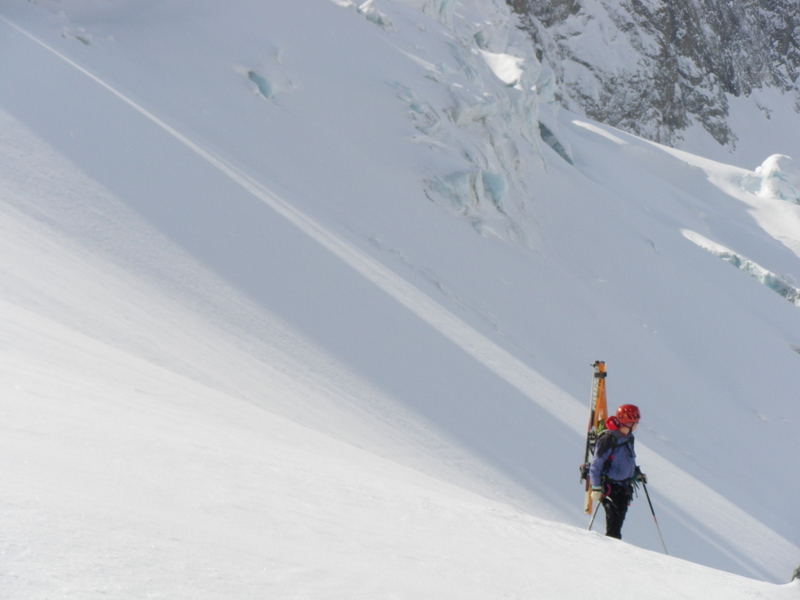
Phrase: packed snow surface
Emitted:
{"points": [[299, 300]]}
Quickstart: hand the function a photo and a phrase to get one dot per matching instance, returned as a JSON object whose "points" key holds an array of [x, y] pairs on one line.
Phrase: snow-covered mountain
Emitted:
{"points": [[300, 300], [673, 70]]}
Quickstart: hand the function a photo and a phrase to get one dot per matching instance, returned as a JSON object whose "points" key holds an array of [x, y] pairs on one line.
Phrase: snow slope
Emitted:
{"points": [[297, 302]]}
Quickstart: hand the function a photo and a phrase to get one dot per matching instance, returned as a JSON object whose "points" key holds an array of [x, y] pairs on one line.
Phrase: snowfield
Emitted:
{"points": [[299, 300]]}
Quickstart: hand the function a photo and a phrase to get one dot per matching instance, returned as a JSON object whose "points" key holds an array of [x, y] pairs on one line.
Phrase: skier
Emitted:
{"points": [[613, 472]]}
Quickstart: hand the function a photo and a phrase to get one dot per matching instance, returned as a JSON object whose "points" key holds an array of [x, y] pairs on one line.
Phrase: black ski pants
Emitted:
{"points": [[615, 502]]}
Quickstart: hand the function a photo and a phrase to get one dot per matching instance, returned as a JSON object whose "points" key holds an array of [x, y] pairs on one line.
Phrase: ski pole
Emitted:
{"points": [[594, 514], [655, 520]]}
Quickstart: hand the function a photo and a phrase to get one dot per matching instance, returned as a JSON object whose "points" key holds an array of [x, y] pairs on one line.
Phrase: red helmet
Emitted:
{"points": [[627, 414]]}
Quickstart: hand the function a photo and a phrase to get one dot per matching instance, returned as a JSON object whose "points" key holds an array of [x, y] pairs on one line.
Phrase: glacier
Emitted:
{"points": [[337, 342]]}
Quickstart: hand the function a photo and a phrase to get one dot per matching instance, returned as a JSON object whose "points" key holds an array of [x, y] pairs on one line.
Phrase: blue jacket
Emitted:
{"points": [[614, 458]]}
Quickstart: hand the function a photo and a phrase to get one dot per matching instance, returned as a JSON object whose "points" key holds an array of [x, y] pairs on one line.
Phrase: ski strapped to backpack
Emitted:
{"points": [[598, 412]]}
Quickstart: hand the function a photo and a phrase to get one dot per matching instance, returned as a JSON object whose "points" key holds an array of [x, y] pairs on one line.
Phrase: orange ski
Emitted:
{"points": [[598, 412]]}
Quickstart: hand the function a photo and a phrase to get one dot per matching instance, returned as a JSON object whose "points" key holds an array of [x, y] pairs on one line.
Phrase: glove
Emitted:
{"points": [[638, 476], [597, 493]]}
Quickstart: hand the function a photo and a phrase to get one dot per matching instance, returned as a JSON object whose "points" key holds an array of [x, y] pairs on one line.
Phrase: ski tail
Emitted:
{"points": [[598, 413]]}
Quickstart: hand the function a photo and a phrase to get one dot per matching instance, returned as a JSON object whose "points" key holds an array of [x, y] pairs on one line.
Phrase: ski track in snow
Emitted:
{"points": [[720, 516]]}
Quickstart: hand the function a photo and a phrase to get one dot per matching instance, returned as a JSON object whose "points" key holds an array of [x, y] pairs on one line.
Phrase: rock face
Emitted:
{"points": [[655, 67]]}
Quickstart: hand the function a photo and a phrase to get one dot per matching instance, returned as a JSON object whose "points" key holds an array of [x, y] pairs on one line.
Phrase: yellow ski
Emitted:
{"points": [[598, 412]]}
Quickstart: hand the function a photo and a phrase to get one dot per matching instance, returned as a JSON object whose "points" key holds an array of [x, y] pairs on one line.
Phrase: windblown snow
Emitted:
{"points": [[299, 299]]}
